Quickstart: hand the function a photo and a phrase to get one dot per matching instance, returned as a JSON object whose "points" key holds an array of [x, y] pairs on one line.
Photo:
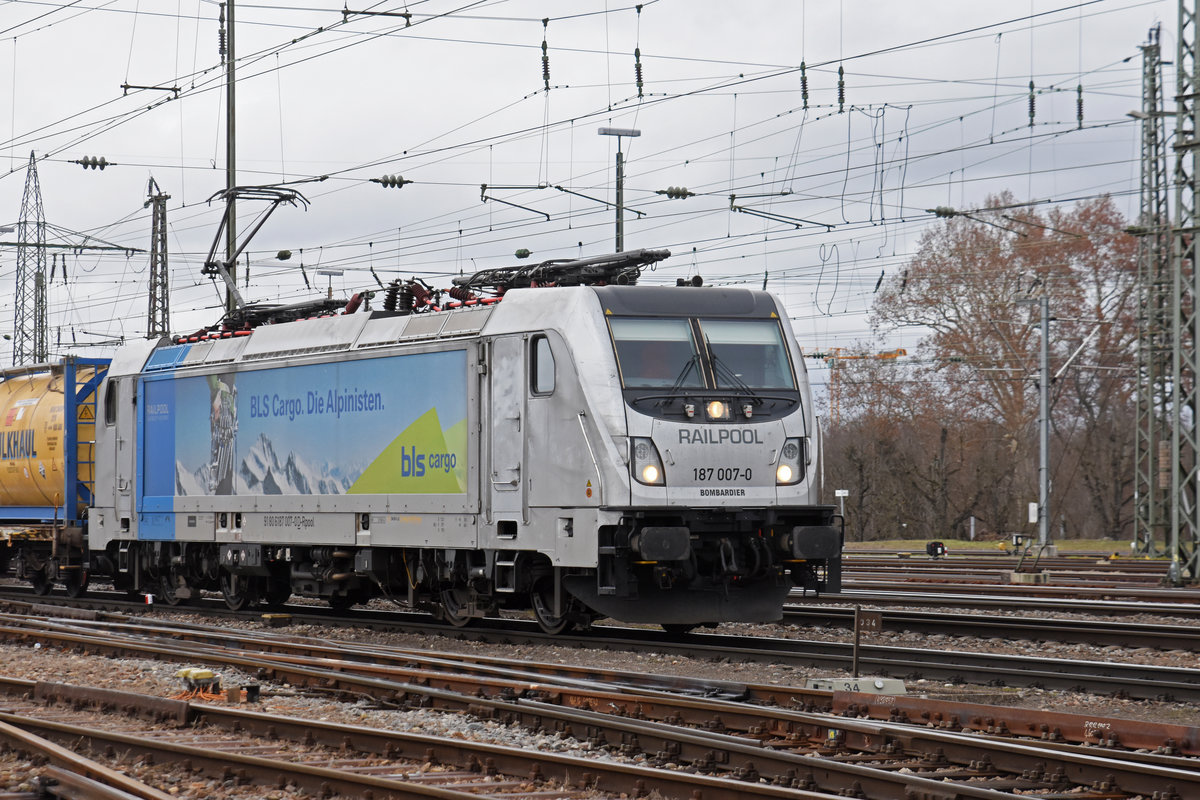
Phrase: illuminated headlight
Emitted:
{"points": [[646, 464], [788, 469], [717, 410]]}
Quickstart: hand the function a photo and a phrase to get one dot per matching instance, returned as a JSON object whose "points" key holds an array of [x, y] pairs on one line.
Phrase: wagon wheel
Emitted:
{"points": [[41, 582], [542, 599], [77, 582], [454, 607], [237, 591]]}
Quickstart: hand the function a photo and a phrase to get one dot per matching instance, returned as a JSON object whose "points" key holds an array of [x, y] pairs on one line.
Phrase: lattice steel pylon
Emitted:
{"points": [[29, 312], [1185, 512], [159, 319], [1152, 436]]}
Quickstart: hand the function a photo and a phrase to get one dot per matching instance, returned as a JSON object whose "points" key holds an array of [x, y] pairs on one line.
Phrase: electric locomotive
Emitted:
{"points": [[552, 438]]}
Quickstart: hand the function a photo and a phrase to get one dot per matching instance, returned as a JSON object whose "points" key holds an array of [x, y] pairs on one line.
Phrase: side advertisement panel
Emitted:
{"points": [[394, 425]]}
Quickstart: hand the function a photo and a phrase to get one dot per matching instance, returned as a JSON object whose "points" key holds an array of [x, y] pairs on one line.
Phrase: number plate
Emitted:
{"points": [[722, 474]]}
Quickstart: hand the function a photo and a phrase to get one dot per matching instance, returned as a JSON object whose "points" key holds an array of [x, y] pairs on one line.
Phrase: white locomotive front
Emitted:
{"points": [[644, 453], [724, 513]]}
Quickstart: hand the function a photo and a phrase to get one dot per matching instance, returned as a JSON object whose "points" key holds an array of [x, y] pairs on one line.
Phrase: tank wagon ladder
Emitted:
{"points": [[81, 404]]}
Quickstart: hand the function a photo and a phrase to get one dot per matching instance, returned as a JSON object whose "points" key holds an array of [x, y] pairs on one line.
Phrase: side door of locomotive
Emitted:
{"points": [[120, 418], [506, 439]]}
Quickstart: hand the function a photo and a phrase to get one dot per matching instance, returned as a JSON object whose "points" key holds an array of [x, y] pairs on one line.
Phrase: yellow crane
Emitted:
{"points": [[833, 358]]}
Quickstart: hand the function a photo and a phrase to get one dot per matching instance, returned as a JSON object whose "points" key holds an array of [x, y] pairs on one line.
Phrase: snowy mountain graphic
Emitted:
{"points": [[263, 472], [189, 483]]}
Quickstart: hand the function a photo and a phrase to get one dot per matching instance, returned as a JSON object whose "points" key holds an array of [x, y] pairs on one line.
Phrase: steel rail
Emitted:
{"points": [[1099, 633], [930, 596], [101, 781], [1189, 596]]}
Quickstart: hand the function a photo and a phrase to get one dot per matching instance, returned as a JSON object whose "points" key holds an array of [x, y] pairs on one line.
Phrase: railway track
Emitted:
{"points": [[930, 596], [751, 750], [995, 588], [1038, 629], [1099, 565], [912, 663]]}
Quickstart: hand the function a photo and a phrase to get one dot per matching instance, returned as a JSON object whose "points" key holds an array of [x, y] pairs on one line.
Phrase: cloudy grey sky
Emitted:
{"points": [[934, 111]]}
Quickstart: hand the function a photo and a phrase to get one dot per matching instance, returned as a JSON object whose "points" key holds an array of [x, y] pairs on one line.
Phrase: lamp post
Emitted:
{"points": [[619, 132], [1043, 519]]}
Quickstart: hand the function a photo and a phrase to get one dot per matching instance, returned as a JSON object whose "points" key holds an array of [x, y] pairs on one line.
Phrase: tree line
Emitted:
{"points": [[948, 434]]}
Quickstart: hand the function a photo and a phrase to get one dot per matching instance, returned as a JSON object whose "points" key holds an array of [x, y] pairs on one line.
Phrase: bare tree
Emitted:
{"points": [[949, 433]]}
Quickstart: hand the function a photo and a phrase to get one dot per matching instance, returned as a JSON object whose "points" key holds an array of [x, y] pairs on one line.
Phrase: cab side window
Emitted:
{"points": [[110, 403], [541, 366]]}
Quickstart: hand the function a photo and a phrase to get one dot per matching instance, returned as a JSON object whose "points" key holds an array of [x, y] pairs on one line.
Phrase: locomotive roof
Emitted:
{"points": [[700, 301], [522, 309]]}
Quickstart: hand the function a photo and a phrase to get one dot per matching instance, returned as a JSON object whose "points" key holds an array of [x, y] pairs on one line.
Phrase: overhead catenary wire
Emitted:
{"points": [[738, 180]]}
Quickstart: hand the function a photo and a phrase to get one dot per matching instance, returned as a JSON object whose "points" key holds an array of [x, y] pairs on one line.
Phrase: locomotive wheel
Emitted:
{"points": [[167, 587], [454, 607], [542, 599], [277, 592], [236, 591], [678, 628], [342, 602], [77, 582]]}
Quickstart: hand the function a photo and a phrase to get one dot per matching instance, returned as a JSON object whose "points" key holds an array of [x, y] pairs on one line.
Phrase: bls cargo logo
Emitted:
{"points": [[414, 464]]}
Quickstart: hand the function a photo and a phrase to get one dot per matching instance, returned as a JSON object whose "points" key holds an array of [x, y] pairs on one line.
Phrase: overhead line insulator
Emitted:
{"points": [[637, 68], [91, 162], [545, 55], [676, 192], [391, 181]]}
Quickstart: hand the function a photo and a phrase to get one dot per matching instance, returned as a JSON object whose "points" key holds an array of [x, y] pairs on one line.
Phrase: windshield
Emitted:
{"points": [[739, 354], [656, 352], [747, 353]]}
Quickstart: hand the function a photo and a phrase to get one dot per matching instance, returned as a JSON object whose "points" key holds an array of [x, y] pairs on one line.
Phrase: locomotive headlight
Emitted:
{"points": [[717, 410], [646, 465], [788, 469]]}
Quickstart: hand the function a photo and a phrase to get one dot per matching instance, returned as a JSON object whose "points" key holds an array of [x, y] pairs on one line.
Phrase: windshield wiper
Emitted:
{"points": [[729, 375], [687, 370]]}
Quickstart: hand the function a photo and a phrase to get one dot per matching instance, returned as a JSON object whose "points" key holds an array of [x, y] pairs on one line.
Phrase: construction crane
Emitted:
{"points": [[833, 358]]}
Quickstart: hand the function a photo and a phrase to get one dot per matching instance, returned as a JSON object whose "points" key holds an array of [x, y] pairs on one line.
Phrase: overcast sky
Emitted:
{"points": [[935, 111]]}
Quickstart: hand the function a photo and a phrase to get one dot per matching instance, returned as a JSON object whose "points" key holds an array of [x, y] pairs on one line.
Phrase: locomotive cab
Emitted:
{"points": [[724, 515]]}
